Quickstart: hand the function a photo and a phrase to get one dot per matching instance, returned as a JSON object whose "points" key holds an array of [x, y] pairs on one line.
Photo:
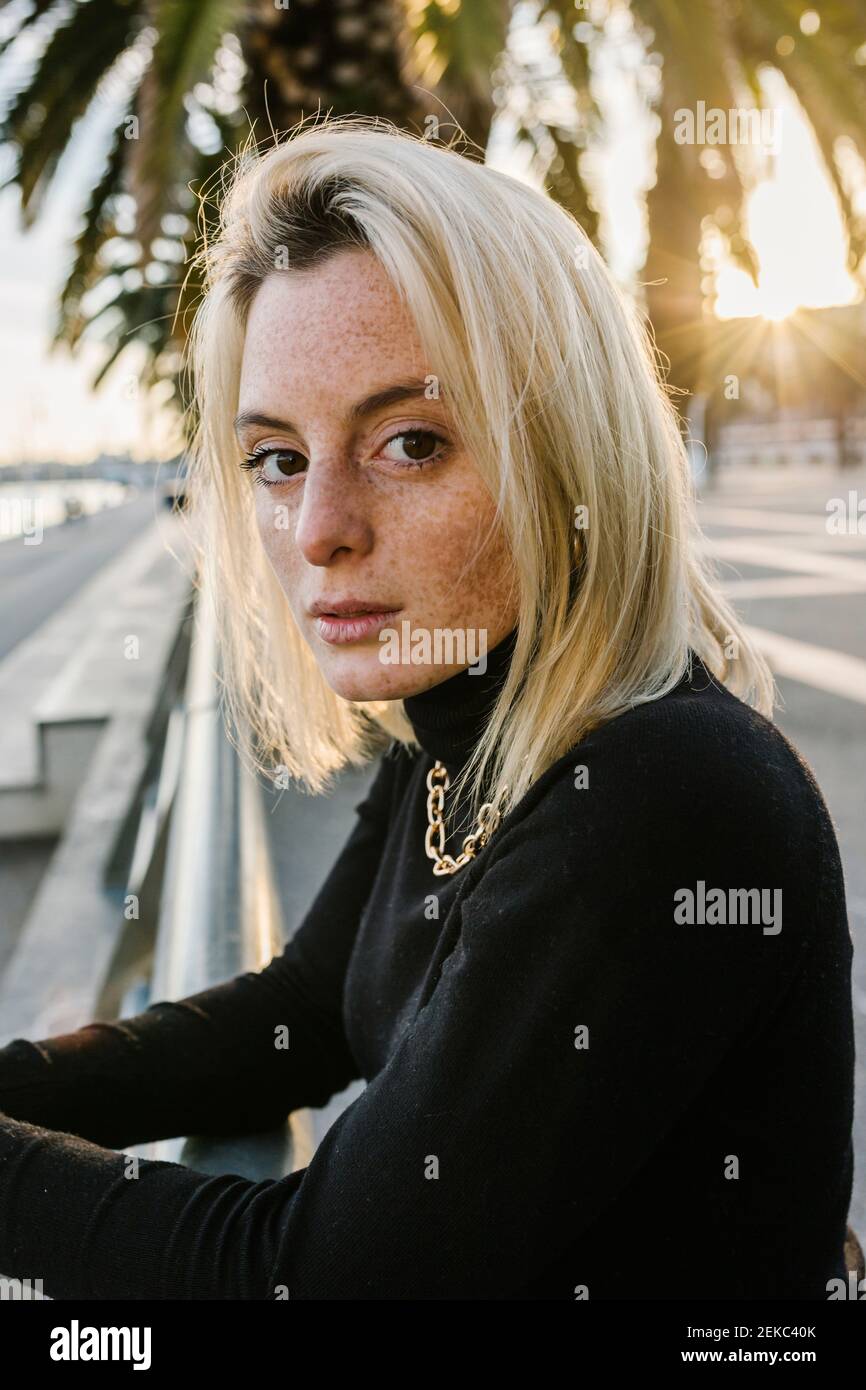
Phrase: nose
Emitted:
{"points": [[333, 516]]}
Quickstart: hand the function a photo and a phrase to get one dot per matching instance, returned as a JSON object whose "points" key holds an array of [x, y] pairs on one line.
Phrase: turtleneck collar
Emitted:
{"points": [[449, 718]]}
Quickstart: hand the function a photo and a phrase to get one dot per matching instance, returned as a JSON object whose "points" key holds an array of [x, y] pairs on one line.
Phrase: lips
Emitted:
{"points": [[349, 608], [343, 627]]}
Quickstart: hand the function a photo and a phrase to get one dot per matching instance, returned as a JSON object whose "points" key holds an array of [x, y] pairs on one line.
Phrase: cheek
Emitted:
{"points": [[465, 553], [276, 527]]}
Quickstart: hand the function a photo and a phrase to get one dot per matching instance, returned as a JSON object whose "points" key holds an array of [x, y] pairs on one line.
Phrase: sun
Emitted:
{"points": [[796, 229], [777, 307]]}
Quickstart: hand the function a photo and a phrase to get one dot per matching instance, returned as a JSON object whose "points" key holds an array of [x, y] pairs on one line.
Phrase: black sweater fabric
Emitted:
{"points": [[570, 1092]]}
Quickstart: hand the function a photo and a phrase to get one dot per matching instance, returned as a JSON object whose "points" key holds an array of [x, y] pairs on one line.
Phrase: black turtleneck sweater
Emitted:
{"points": [[571, 1093]]}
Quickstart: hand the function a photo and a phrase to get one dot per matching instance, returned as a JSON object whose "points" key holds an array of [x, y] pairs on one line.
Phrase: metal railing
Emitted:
{"points": [[219, 913]]}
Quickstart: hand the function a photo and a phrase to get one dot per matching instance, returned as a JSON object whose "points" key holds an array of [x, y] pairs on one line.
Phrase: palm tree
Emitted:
{"points": [[195, 77], [199, 73], [716, 52]]}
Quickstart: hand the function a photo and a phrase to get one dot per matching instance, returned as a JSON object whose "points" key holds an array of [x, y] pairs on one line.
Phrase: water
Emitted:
{"points": [[28, 508]]}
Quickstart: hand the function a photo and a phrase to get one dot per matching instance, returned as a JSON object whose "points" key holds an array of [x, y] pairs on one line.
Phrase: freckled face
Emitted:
{"points": [[364, 503]]}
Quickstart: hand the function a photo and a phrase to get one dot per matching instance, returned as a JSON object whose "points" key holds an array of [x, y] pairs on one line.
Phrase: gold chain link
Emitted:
{"points": [[438, 783]]}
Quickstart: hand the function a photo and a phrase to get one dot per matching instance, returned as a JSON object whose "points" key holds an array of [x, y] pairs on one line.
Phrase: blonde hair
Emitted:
{"points": [[552, 384]]}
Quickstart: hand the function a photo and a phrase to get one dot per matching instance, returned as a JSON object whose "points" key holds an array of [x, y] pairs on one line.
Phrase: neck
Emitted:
{"points": [[450, 718]]}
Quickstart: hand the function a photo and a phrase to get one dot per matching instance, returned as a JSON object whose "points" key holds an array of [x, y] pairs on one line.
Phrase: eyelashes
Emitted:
{"points": [[254, 462]]}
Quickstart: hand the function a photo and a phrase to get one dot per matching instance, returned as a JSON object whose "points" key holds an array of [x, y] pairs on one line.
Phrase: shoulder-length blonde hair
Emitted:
{"points": [[552, 384]]}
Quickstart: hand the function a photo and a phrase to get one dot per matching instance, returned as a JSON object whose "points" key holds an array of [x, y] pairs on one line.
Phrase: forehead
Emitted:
{"points": [[337, 326]]}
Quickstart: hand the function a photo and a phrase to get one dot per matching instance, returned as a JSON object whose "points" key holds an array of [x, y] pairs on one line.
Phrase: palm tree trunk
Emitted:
{"points": [[672, 272]]}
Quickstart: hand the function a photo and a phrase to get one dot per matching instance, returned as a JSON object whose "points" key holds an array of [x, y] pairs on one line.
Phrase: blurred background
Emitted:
{"points": [[714, 151]]}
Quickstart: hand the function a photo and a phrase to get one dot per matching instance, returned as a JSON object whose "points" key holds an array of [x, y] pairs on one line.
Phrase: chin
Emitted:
{"points": [[358, 674]]}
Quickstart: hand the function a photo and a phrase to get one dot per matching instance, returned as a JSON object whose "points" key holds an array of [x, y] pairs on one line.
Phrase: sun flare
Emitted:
{"points": [[796, 228]]}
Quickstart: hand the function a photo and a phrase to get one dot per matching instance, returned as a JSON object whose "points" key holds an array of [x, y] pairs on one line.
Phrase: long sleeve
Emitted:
{"points": [[208, 1064], [571, 1027]]}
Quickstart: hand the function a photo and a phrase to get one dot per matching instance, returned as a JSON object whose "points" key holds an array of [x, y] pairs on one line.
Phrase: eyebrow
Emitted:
{"points": [[390, 395]]}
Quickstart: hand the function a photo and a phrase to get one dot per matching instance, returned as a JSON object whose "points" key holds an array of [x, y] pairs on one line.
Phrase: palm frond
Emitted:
{"points": [[40, 8], [456, 50], [98, 228], [189, 33], [154, 314], [40, 120]]}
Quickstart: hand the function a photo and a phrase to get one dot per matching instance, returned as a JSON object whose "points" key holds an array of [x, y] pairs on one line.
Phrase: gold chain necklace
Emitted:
{"points": [[438, 783]]}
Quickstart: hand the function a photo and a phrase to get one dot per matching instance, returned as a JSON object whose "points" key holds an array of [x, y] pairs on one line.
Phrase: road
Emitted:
{"points": [[36, 579], [802, 588]]}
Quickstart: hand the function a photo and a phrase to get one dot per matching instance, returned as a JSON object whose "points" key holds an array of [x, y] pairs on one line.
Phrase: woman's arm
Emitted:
{"points": [[491, 1141], [208, 1064]]}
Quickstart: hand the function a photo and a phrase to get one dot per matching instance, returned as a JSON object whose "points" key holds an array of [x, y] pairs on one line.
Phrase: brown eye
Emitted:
{"points": [[419, 445], [272, 466], [415, 447], [286, 461]]}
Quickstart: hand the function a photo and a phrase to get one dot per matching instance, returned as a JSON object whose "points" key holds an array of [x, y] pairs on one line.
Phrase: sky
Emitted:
{"points": [[48, 409], [46, 402]]}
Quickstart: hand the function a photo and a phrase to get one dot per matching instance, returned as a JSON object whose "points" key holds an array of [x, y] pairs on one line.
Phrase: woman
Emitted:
{"points": [[587, 941]]}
